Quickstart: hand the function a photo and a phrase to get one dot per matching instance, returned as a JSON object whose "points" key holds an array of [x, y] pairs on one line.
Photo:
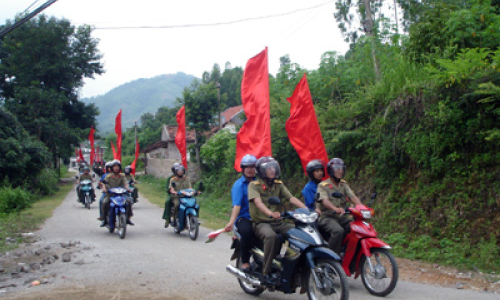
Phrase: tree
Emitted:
{"points": [[43, 64]]}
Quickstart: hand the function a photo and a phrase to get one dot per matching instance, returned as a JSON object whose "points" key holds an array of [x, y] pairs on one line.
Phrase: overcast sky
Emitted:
{"points": [[143, 53]]}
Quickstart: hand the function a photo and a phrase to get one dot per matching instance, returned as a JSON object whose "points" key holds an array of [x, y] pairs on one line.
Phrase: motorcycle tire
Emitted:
{"points": [[247, 287], [87, 202], [382, 260], [335, 281], [194, 227], [122, 226]]}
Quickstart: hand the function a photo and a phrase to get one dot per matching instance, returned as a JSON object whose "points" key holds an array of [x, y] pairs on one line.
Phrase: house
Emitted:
{"points": [[232, 117]]}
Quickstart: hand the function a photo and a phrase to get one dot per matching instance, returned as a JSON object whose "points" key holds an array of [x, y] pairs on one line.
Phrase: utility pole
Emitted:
{"points": [[217, 85], [136, 130]]}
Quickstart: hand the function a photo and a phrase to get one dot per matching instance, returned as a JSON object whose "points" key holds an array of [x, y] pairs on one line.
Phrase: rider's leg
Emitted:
{"points": [[271, 241], [332, 227], [246, 231], [176, 208], [105, 209], [100, 204]]}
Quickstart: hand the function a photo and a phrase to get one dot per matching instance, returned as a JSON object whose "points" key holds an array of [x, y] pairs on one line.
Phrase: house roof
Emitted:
{"points": [[161, 144], [230, 113], [172, 131]]}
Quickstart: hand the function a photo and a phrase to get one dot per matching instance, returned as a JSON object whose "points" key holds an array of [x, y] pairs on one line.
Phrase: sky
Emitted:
{"points": [[129, 54]]}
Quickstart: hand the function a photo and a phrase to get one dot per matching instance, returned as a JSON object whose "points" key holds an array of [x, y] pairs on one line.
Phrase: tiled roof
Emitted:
{"points": [[162, 144], [229, 113], [172, 131]]}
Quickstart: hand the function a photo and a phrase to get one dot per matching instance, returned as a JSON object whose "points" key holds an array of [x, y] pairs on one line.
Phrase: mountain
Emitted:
{"points": [[137, 97]]}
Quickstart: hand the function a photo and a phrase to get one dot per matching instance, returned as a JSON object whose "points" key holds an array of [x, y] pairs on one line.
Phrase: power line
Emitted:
{"points": [[27, 17], [26, 10], [214, 24]]}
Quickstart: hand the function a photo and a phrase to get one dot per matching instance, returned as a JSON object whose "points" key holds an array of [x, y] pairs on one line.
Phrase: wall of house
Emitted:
{"points": [[161, 168]]}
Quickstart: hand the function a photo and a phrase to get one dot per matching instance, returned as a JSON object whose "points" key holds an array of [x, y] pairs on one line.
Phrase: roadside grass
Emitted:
{"points": [[214, 213], [13, 225]]}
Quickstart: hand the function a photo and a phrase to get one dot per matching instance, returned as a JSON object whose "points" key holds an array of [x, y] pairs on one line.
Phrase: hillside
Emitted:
{"points": [[137, 97]]}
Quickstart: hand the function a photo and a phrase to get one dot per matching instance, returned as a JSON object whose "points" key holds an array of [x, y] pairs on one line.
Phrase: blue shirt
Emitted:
{"points": [[102, 179], [309, 192], [239, 195]]}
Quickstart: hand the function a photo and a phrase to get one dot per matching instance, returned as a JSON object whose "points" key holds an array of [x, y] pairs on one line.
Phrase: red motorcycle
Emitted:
{"points": [[366, 255]]}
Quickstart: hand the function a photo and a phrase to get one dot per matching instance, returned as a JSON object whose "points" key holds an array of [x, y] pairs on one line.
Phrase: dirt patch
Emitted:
{"points": [[434, 274]]}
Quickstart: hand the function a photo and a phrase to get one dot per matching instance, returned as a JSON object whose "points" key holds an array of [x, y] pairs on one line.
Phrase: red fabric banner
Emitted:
{"points": [[254, 136], [303, 128], [82, 159], [113, 149], [132, 166], [98, 155], [180, 136], [92, 149], [118, 131]]}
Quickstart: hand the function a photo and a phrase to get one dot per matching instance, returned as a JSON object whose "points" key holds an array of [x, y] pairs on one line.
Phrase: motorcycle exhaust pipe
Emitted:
{"points": [[240, 274]]}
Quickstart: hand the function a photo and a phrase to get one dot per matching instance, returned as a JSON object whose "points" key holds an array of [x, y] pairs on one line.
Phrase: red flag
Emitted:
{"points": [[132, 166], [303, 128], [92, 150], [180, 136], [82, 159], [98, 156], [254, 136], [114, 151], [118, 131]]}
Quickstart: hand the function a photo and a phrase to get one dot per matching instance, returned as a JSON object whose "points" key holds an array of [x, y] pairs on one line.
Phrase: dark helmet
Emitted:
{"points": [[82, 165], [313, 165], [174, 166], [178, 168], [265, 163], [248, 161], [85, 169], [127, 170], [116, 162], [336, 164]]}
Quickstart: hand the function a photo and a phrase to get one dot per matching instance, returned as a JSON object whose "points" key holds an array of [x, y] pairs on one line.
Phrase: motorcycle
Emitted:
{"points": [[117, 215], [187, 216], [85, 191], [366, 255], [305, 262], [133, 193]]}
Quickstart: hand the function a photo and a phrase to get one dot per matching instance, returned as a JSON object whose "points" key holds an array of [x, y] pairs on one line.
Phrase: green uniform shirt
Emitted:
{"points": [[326, 188], [129, 177], [85, 177], [259, 189], [180, 184], [113, 181]]}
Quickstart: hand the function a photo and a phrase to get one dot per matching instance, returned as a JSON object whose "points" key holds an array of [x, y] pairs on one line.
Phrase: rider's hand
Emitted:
{"points": [[340, 211], [276, 215], [229, 227]]}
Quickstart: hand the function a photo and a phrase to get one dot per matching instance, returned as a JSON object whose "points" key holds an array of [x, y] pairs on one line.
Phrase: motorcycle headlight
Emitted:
{"points": [[367, 214], [306, 218]]}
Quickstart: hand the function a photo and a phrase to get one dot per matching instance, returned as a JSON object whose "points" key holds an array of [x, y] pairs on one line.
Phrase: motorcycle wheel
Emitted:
{"points": [[122, 226], [383, 280], [176, 229], [194, 227], [87, 202], [332, 277], [247, 287]]}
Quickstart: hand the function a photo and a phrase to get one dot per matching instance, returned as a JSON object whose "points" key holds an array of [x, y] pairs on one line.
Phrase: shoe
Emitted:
{"points": [[103, 223], [166, 224], [130, 223], [245, 270], [270, 281]]}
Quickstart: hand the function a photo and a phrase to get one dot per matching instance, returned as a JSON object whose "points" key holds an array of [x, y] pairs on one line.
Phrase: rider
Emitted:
{"points": [[266, 216], [316, 171], [131, 178], [168, 207], [181, 182], [332, 219], [101, 185], [84, 176], [241, 213], [112, 180]]}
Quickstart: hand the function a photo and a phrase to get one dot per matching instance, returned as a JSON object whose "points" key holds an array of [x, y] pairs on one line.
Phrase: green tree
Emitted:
{"points": [[43, 64]]}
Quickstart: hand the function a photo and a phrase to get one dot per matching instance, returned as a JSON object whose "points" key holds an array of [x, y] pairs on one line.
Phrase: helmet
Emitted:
{"points": [[127, 170], [85, 169], [264, 165], [248, 161], [116, 162], [179, 167], [336, 164], [174, 166], [313, 165], [82, 165]]}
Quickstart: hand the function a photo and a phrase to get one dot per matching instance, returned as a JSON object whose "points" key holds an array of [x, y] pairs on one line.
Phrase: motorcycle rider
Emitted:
{"points": [[131, 178], [168, 203], [332, 219], [181, 182], [112, 180], [240, 215], [101, 185], [316, 171], [85, 176], [266, 216]]}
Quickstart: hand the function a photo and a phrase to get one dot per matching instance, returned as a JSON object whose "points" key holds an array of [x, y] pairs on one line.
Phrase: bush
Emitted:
{"points": [[46, 182], [14, 199]]}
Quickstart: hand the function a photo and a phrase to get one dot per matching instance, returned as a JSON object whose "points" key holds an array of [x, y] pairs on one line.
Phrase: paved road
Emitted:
{"points": [[155, 263]]}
